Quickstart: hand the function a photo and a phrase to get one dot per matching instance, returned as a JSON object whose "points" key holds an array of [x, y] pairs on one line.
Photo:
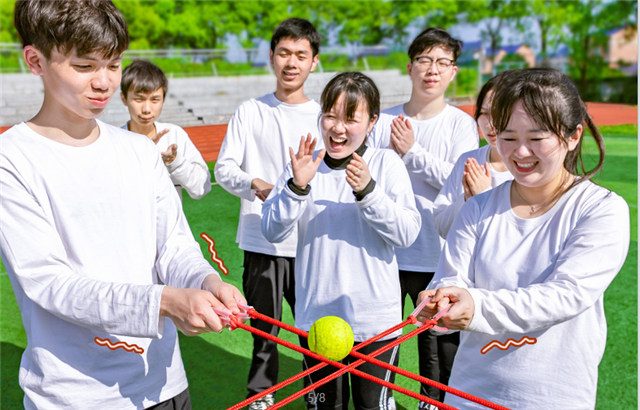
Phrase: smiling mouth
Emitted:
{"points": [[337, 142], [525, 166]]}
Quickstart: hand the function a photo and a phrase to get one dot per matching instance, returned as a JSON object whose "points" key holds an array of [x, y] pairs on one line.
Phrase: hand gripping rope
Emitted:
{"points": [[236, 321]]}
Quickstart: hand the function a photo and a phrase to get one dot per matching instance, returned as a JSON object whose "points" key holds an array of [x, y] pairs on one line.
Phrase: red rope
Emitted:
{"points": [[256, 315], [351, 368], [344, 368]]}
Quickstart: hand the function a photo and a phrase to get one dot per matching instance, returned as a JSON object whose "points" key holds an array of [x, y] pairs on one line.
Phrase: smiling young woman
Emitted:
{"points": [[530, 260]]}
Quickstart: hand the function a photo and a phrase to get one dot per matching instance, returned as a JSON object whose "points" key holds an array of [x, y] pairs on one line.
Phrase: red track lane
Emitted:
{"points": [[208, 138]]}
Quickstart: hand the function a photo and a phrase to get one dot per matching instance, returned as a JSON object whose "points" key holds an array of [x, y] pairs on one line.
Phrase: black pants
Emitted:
{"points": [[180, 402], [367, 395], [266, 279], [435, 353]]}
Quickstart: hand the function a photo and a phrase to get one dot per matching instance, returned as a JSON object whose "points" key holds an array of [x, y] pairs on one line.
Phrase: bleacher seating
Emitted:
{"points": [[191, 101]]}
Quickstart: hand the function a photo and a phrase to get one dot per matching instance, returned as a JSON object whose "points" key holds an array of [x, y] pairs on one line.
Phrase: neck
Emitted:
{"points": [[546, 194], [496, 160], [423, 108], [61, 126], [149, 130], [291, 96], [341, 163]]}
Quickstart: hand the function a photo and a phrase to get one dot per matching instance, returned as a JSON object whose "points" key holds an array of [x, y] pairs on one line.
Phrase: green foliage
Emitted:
{"points": [[8, 33]]}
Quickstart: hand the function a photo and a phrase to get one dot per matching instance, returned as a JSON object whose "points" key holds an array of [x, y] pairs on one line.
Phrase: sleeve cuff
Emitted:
{"points": [[367, 190], [296, 189], [408, 157], [177, 162], [476, 322]]}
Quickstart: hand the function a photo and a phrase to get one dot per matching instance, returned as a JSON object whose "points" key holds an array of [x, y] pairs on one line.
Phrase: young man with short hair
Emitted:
{"points": [[429, 135], [254, 153], [91, 226], [144, 88]]}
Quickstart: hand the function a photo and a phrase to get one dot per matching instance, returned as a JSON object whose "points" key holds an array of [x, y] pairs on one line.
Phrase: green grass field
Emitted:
{"points": [[217, 364]]}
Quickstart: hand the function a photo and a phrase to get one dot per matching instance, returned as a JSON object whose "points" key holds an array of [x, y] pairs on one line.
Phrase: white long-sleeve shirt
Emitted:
{"points": [[346, 264], [188, 170], [256, 145], [543, 279], [87, 234], [451, 197], [439, 143]]}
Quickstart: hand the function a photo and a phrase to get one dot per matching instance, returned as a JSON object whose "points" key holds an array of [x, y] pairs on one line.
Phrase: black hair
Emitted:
{"points": [[435, 37], [357, 88], [143, 76], [86, 26], [554, 104], [297, 29], [486, 88]]}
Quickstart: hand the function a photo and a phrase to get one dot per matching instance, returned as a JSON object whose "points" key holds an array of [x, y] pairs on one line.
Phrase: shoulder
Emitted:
{"points": [[592, 198], [480, 154], [395, 110], [383, 158], [125, 138], [174, 130]]}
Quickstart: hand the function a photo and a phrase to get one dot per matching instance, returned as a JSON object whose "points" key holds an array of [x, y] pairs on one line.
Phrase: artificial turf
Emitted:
{"points": [[217, 364]]}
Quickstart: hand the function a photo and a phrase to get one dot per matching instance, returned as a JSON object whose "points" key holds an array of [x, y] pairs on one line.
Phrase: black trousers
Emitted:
{"points": [[265, 281], [334, 395], [180, 402], [435, 353]]}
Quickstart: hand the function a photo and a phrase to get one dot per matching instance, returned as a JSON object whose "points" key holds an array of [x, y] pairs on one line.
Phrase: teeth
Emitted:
{"points": [[338, 140], [526, 165]]}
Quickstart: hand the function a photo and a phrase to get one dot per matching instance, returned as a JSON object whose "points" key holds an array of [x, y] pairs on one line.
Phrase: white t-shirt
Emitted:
{"points": [[257, 144], [451, 197], [87, 235], [346, 265], [439, 142], [543, 279], [188, 170]]}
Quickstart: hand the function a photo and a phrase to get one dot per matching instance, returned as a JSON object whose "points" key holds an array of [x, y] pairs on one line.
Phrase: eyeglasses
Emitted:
{"points": [[443, 64]]}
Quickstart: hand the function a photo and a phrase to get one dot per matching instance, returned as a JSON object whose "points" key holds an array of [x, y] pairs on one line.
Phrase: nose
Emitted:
{"points": [[433, 69], [291, 61], [101, 80], [522, 151], [339, 127], [146, 107]]}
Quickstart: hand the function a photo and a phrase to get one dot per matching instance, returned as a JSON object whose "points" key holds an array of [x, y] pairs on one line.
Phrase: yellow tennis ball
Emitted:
{"points": [[331, 337]]}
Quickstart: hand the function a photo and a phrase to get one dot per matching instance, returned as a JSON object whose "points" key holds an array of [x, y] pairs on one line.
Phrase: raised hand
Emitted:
{"points": [[170, 154], [476, 178], [358, 175], [402, 136], [302, 163], [159, 135]]}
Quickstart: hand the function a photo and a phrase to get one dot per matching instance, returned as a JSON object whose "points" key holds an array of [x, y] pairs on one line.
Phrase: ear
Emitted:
{"points": [[454, 71], [316, 58], [409, 67], [271, 57], [572, 141], [123, 97], [372, 123], [34, 59]]}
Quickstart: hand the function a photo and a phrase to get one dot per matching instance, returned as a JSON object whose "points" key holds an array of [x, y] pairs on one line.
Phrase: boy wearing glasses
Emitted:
{"points": [[429, 135]]}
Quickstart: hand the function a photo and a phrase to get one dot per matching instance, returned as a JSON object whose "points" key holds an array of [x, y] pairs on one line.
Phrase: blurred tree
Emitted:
{"points": [[494, 15], [8, 32], [550, 16], [430, 13], [588, 24]]}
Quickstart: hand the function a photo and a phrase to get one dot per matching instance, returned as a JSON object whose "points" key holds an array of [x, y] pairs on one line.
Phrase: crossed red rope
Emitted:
{"points": [[236, 323]]}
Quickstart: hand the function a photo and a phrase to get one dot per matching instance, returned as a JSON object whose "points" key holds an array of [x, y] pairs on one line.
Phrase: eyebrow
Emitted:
{"points": [[301, 51]]}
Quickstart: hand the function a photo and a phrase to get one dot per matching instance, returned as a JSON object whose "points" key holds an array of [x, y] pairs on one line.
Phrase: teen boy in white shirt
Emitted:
{"points": [[429, 135], [91, 226], [144, 88], [254, 153]]}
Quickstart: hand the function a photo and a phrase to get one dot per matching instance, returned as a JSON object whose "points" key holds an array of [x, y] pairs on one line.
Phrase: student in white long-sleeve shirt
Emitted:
{"points": [[530, 260], [352, 207], [429, 135], [475, 171], [144, 88], [253, 155], [99, 253]]}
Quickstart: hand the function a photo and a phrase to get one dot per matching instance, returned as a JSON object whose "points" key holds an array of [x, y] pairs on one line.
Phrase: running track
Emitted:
{"points": [[208, 138]]}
